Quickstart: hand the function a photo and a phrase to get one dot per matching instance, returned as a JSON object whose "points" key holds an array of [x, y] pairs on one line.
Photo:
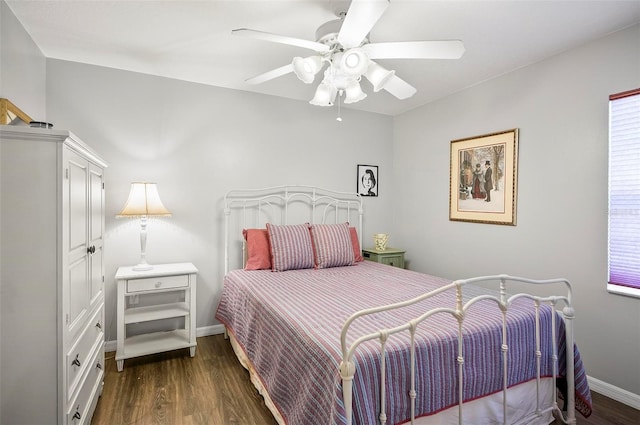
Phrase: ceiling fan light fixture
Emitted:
{"points": [[378, 76], [306, 68], [353, 92], [325, 95], [354, 62]]}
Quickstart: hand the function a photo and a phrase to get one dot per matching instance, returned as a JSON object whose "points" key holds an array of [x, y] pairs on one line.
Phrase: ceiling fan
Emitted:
{"points": [[343, 45]]}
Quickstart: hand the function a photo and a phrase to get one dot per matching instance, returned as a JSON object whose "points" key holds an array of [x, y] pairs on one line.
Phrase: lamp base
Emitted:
{"points": [[142, 267]]}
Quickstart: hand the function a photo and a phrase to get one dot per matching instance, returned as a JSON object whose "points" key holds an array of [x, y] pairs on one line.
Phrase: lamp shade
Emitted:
{"points": [[353, 92], [354, 62], [144, 201], [378, 76], [325, 95], [307, 68]]}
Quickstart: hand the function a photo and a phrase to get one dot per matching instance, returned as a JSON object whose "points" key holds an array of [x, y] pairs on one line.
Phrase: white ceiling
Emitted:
{"points": [[192, 41]]}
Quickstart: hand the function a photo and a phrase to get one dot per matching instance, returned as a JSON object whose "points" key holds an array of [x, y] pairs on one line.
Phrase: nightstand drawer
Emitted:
{"points": [[157, 283], [393, 260]]}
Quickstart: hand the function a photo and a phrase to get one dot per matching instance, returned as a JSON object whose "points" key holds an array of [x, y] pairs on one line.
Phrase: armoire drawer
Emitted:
{"points": [[157, 283], [77, 358], [80, 411]]}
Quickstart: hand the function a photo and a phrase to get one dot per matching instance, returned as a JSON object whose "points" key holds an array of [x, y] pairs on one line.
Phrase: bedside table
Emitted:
{"points": [[390, 256], [133, 286]]}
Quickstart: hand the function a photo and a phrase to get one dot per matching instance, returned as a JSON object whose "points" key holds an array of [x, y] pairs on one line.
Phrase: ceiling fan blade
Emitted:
{"points": [[400, 88], [270, 75], [307, 44], [446, 49], [361, 17]]}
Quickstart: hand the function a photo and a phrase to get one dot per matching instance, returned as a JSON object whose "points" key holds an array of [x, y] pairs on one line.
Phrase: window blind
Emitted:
{"points": [[624, 189]]}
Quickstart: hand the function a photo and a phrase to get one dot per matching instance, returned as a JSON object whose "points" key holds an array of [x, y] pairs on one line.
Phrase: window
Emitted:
{"points": [[624, 193]]}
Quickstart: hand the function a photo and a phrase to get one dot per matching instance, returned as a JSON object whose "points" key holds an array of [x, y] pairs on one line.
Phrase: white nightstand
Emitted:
{"points": [[163, 278]]}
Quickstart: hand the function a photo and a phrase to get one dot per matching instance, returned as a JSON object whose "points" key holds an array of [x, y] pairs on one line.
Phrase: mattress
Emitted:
{"points": [[288, 326]]}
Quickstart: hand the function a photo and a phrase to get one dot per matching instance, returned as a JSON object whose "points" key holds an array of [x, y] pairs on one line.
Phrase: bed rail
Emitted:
{"points": [[287, 205], [458, 311]]}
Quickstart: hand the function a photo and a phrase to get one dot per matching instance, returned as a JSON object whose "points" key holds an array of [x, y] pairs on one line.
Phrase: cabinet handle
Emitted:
{"points": [[91, 249], [76, 361], [77, 414], [98, 365], [99, 325]]}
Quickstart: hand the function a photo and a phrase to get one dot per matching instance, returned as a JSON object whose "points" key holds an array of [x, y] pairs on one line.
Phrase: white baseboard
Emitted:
{"points": [[613, 392], [210, 330], [204, 331]]}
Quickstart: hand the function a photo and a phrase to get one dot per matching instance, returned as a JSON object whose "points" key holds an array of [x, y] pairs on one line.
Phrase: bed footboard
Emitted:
{"points": [[505, 302]]}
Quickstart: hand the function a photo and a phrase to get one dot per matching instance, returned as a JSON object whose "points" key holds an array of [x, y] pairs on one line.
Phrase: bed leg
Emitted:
{"points": [[570, 401], [347, 370], [561, 384]]}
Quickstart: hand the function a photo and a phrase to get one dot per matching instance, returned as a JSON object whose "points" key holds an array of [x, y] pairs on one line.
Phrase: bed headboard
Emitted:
{"points": [[254, 208]]}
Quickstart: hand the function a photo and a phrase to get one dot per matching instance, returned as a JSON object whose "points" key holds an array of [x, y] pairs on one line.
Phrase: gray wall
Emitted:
{"points": [[22, 67], [560, 106], [198, 142], [22, 81]]}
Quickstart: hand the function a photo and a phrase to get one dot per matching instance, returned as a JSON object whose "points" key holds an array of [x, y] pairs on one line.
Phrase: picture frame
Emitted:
{"points": [[367, 180], [483, 178]]}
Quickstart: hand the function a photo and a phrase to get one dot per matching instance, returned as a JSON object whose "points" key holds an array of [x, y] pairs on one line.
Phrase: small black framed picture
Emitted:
{"points": [[367, 180]]}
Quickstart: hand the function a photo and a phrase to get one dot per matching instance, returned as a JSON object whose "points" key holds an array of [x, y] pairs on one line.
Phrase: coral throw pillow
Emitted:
{"points": [[258, 249]]}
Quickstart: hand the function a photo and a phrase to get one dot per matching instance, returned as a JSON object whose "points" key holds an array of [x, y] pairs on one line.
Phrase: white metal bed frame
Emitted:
{"points": [[274, 204], [504, 301]]}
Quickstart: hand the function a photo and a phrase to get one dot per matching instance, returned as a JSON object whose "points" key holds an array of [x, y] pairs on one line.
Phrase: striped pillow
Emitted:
{"points": [[332, 245], [291, 247]]}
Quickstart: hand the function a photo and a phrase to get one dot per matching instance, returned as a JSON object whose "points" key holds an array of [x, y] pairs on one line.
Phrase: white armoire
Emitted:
{"points": [[51, 277]]}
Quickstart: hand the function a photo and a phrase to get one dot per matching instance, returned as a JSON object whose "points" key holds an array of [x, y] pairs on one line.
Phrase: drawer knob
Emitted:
{"points": [[76, 361], [158, 284]]}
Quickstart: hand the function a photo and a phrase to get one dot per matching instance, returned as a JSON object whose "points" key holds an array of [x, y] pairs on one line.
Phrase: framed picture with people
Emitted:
{"points": [[483, 178], [367, 180]]}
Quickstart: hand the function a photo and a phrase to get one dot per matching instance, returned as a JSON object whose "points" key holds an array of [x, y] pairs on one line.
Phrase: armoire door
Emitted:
{"points": [[75, 282], [96, 234]]}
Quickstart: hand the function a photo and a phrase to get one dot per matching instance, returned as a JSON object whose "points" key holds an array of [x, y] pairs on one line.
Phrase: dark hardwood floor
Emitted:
{"points": [[213, 388]]}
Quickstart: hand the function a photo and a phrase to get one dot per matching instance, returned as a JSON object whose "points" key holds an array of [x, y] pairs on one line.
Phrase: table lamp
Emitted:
{"points": [[143, 202]]}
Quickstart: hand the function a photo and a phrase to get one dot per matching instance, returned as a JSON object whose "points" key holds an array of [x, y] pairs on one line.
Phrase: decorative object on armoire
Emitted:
{"points": [[380, 241], [483, 178], [40, 124], [143, 202], [52, 242], [11, 114]]}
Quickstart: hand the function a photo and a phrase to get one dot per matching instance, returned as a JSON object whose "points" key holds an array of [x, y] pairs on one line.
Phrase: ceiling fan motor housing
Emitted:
{"points": [[327, 33]]}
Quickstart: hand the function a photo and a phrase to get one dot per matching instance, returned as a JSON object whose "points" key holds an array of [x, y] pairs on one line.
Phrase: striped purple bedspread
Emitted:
{"points": [[289, 325]]}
